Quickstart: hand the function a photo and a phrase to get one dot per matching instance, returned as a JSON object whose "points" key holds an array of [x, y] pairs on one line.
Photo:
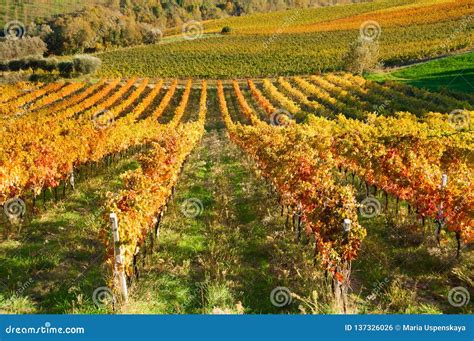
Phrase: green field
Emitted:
{"points": [[452, 73]]}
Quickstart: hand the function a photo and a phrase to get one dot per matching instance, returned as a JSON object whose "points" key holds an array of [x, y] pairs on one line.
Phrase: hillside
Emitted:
{"points": [[301, 41], [164, 13], [28, 11]]}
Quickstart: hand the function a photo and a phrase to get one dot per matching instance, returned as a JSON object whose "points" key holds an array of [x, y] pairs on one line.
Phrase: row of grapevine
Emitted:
{"points": [[147, 189], [179, 112], [12, 106], [406, 158], [62, 94], [42, 155], [300, 168], [332, 94]]}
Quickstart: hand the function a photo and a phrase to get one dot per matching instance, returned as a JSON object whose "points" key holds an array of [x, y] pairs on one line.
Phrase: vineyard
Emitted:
{"points": [[27, 11], [301, 41], [172, 196]]}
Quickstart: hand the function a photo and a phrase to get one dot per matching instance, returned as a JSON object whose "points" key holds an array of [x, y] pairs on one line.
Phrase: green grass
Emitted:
{"points": [[452, 73]]}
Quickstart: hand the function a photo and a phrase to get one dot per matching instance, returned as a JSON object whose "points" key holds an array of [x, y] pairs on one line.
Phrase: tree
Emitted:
{"points": [[86, 64], [21, 48], [363, 55]]}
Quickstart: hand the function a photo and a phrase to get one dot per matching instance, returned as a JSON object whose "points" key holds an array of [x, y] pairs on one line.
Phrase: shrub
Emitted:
{"points": [[85, 64], [362, 56], [17, 65], [151, 35], [226, 30], [66, 68]]}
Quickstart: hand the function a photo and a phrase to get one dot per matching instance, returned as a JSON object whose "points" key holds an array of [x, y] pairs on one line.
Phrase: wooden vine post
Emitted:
{"points": [[440, 218], [119, 271], [72, 180], [340, 289]]}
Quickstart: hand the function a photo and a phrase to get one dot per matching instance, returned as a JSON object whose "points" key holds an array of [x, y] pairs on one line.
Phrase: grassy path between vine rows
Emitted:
{"points": [[230, 257]]}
